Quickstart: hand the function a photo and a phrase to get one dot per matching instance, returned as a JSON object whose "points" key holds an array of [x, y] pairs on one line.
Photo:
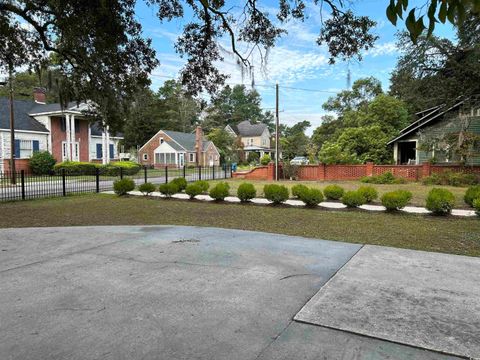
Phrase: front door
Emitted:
{"points": [[210, 160], [181, 160]]}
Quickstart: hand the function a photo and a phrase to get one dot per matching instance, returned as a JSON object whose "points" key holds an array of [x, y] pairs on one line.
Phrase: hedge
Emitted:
{"points": [[275, 193], [123, 186], [88, 168], [333, 192], [396, 200], [353, 199], [246, 192], [220, 191], [440, 201]]}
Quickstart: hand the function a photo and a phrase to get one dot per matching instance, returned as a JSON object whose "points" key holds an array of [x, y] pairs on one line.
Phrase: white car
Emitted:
{"points": [[299, 160]]}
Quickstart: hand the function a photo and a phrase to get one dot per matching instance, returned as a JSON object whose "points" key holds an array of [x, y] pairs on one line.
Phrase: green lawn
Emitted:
{"points": [[448, 234], [418, 190]]}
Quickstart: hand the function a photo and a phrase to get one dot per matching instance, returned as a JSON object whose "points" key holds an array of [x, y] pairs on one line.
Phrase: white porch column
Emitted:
{"points": [[104, 159], [72, 137], [68, 141], [108, 144]]}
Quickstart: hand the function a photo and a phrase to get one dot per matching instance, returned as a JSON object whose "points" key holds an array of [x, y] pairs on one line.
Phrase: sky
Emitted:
{"points": [[296, 62]]}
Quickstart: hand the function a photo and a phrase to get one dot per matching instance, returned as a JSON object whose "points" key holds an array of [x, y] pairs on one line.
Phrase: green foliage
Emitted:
{"points": [[42, 162], [333, 192], [193, 190], [440, 201], [293, 140], [311, 196], [146, 188], [385, 178], [180, 182], [225, 143], [265, 160], [289, 171], [220, 191], [332, 153], [275, 193], [353, 199], [123, 186], [203, 184], [368, 192], [472, 193], [451, 178], [396, 200], [115, 168], [253, 157], [168, 189], [246, 192], [298, 189], [476, 206], [76, 168]]}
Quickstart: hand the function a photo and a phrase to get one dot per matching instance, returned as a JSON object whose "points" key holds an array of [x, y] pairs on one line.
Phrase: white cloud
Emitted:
{"points": [[387, 48]]}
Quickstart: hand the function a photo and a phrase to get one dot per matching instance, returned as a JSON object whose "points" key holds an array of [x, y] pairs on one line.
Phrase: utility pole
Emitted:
{"points": [[277, 137], [12, 128]]}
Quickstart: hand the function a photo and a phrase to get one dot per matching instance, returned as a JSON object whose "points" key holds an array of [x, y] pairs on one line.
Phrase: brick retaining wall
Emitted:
{"points": [[355, 172]]}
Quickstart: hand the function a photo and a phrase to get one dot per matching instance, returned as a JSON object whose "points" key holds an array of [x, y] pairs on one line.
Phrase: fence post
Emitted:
{"points": [[166, 174], [121, 173], [199, 172], [213, 172], [22, 176], [97, 180], [145, 174], [64, 185], [184, 172], [231, 170], [225, 170]]}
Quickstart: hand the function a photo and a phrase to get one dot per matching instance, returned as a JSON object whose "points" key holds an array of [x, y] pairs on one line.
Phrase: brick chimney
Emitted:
{"points": [[39, 95], [199, 143]]}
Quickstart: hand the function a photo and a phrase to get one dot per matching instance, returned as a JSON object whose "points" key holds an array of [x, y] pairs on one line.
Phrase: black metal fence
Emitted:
{"points": [[63, 183]]}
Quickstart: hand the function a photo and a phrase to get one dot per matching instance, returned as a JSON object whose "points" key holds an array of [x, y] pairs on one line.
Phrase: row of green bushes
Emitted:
{"points": [[452, 179], [88, 168], [439, 201]]}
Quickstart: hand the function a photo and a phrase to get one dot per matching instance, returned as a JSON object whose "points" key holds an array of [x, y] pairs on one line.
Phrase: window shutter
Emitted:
{"points": [[63, 124], [99, 151], [35, 145], [111, 151], [17, 149]]}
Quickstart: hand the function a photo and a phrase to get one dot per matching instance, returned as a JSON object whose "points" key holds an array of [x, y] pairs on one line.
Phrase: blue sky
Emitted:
{"points": [[296, 62]]}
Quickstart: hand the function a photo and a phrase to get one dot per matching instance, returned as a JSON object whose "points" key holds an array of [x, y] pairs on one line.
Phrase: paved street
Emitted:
{"points": [[167, 292]]}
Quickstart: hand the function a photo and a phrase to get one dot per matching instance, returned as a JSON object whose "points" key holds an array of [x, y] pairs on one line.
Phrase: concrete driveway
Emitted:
{"points": [[166, 292]]}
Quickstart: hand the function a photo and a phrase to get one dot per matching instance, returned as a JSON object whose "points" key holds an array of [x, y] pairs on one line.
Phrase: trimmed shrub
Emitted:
{"points": [[113, 169], [180, 182], [265, 160], [168, 189], [123, 186], [368, 192], [298, 189], [385, 178], [220, 191], [311, 196], [353, 199], [193, 190], [451, 178], [275, 193], [42, 163], [396, 200], [333, 192], [76, 168], [246, 192], [473, 192], [476, 206], [147, 188], [204, 185], [440, 201]]}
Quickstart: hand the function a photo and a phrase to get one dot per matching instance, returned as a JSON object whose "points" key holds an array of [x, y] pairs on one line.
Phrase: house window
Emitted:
{"points": [[77, 125], [63, 124], [25, 148], [191, 157], [161, 141], [264, 142], [145, 157], [165, 158]]}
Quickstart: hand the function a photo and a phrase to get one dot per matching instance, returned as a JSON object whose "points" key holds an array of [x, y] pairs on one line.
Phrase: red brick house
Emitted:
{"points": [[66, 133], [176, 149]]}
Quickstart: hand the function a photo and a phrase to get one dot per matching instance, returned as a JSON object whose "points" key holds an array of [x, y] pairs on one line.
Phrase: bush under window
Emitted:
{"points": [[42, 163]]}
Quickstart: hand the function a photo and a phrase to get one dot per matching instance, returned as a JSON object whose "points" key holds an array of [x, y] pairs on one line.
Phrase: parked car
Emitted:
{"points": [[299, 160]]}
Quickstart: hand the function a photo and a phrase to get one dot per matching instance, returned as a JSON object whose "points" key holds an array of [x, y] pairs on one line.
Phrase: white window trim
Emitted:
{"points": [[145, 156]]}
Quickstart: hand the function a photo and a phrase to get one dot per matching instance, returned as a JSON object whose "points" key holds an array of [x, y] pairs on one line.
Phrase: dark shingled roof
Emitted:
{"points": [[186, 140], [245, 128], [42, 108], [21, 110], [96, 130]]}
